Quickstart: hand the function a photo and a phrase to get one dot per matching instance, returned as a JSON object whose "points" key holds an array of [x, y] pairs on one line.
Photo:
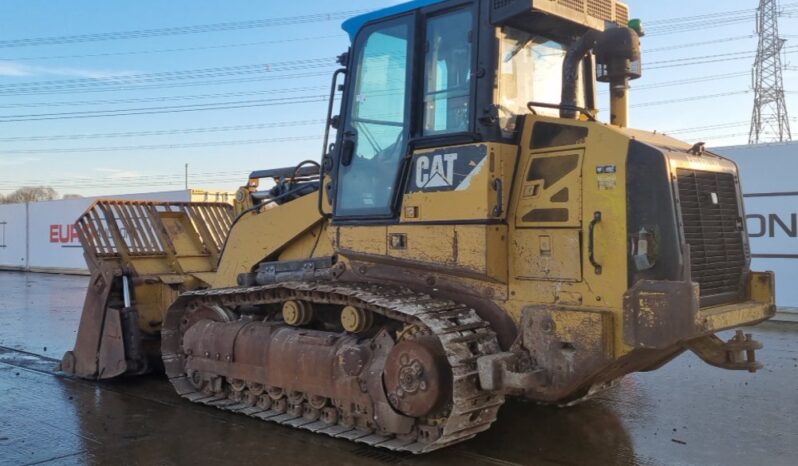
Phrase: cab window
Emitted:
{"points": [[530, 70], [378, 128], [448, 70]]}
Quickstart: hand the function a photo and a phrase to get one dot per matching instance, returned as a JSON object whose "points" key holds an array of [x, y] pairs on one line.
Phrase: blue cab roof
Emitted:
{"points": [[353, 25]]}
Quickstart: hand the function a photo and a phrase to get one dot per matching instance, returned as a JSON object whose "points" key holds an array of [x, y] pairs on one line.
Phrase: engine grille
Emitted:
{"points": [[621, 14], [713, 229], [605, 10]]}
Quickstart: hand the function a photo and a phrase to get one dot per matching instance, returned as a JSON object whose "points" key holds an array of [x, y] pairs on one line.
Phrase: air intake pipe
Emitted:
{"points": [[570, 73], [618, 60]]}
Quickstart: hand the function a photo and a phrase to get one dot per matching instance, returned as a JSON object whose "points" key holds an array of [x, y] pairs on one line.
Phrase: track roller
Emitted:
{"points": [[356, 320], [297, 313]]}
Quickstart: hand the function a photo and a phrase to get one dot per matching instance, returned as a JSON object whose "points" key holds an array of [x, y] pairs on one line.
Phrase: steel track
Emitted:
{"points": [[464, 336]]}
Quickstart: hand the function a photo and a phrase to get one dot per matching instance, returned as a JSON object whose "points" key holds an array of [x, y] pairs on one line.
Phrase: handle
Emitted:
{"points": [[326, 159], [591, 246], [348, 149], [498, 186]]}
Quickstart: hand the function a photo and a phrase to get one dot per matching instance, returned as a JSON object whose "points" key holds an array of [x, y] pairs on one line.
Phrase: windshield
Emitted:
{"points": [[530, 70]]}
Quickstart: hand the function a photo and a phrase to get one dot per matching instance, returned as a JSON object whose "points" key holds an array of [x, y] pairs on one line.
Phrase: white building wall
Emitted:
{"points": [[769, 175]]}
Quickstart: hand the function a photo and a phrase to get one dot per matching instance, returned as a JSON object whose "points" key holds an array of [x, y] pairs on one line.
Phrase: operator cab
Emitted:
{"points": [[429, 74]]}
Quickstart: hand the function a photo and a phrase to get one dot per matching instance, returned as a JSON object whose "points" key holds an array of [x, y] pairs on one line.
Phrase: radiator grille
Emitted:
{"points": [[713, 229]]}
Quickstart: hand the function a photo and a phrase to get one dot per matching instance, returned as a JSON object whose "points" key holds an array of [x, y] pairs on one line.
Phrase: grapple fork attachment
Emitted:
{"points": [[141, 255]]}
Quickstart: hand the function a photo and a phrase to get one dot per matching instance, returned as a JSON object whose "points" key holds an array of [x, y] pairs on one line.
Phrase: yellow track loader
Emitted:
{"points": [[471, 233]]}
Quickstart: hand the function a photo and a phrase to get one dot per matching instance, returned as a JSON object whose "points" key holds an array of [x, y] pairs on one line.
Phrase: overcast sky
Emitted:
{"points": [[248, 74]]}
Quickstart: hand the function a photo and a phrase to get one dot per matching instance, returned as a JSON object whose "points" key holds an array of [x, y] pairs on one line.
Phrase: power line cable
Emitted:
{"points": [[698, 44], [172, 50], [707, 59], [697, 129], [292, 90], [704, 57], [220, 71], [260, 103], [73, 103], [180, 30], [233, 105], [142, 184], [708, 16], [238, 81], [163, 86], [161, 146], [786, 7], [181, 176], [238, 177], [712, 21], [682, 82], [169, 132], [161, 80], [683, 19], [689, 99], [707, 21], [685, 99], [654, 32]]}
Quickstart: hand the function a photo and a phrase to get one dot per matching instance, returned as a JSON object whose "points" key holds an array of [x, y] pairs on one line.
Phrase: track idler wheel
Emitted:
{"points": [[417, 376]]}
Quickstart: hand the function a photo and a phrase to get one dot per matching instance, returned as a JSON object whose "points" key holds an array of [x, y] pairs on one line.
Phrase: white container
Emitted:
{"points": [[13, 237], [40, 236], [768, 175]]}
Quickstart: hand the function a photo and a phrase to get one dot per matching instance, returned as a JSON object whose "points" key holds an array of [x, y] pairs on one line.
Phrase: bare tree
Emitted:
{"points": [[71, 196], [30, 194]]}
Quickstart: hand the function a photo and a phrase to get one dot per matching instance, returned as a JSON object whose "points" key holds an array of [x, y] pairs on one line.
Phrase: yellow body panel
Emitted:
{"points": [[314, 243], [370, 240], [474, 199], [563, 196], [462, 250], [549, 259], [547, 254], [263, 233]]}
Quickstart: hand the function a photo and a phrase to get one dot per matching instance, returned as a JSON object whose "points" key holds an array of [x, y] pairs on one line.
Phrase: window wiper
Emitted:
{"points": [[375, 146], [521, 45]]}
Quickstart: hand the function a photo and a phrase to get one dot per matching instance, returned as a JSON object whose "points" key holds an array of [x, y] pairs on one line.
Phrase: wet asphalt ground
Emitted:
{"points": [[685, 413]]}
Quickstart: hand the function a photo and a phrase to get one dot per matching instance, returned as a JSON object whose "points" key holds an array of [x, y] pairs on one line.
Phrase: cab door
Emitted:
{"points": [[377, 130]]}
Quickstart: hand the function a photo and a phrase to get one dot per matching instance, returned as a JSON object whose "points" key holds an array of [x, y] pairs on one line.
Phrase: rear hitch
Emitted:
{"points": [[738, 354]]}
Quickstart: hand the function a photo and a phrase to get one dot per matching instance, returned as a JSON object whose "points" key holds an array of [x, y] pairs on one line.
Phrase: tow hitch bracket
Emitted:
{"points": [[739, 353], [499, 373]]}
